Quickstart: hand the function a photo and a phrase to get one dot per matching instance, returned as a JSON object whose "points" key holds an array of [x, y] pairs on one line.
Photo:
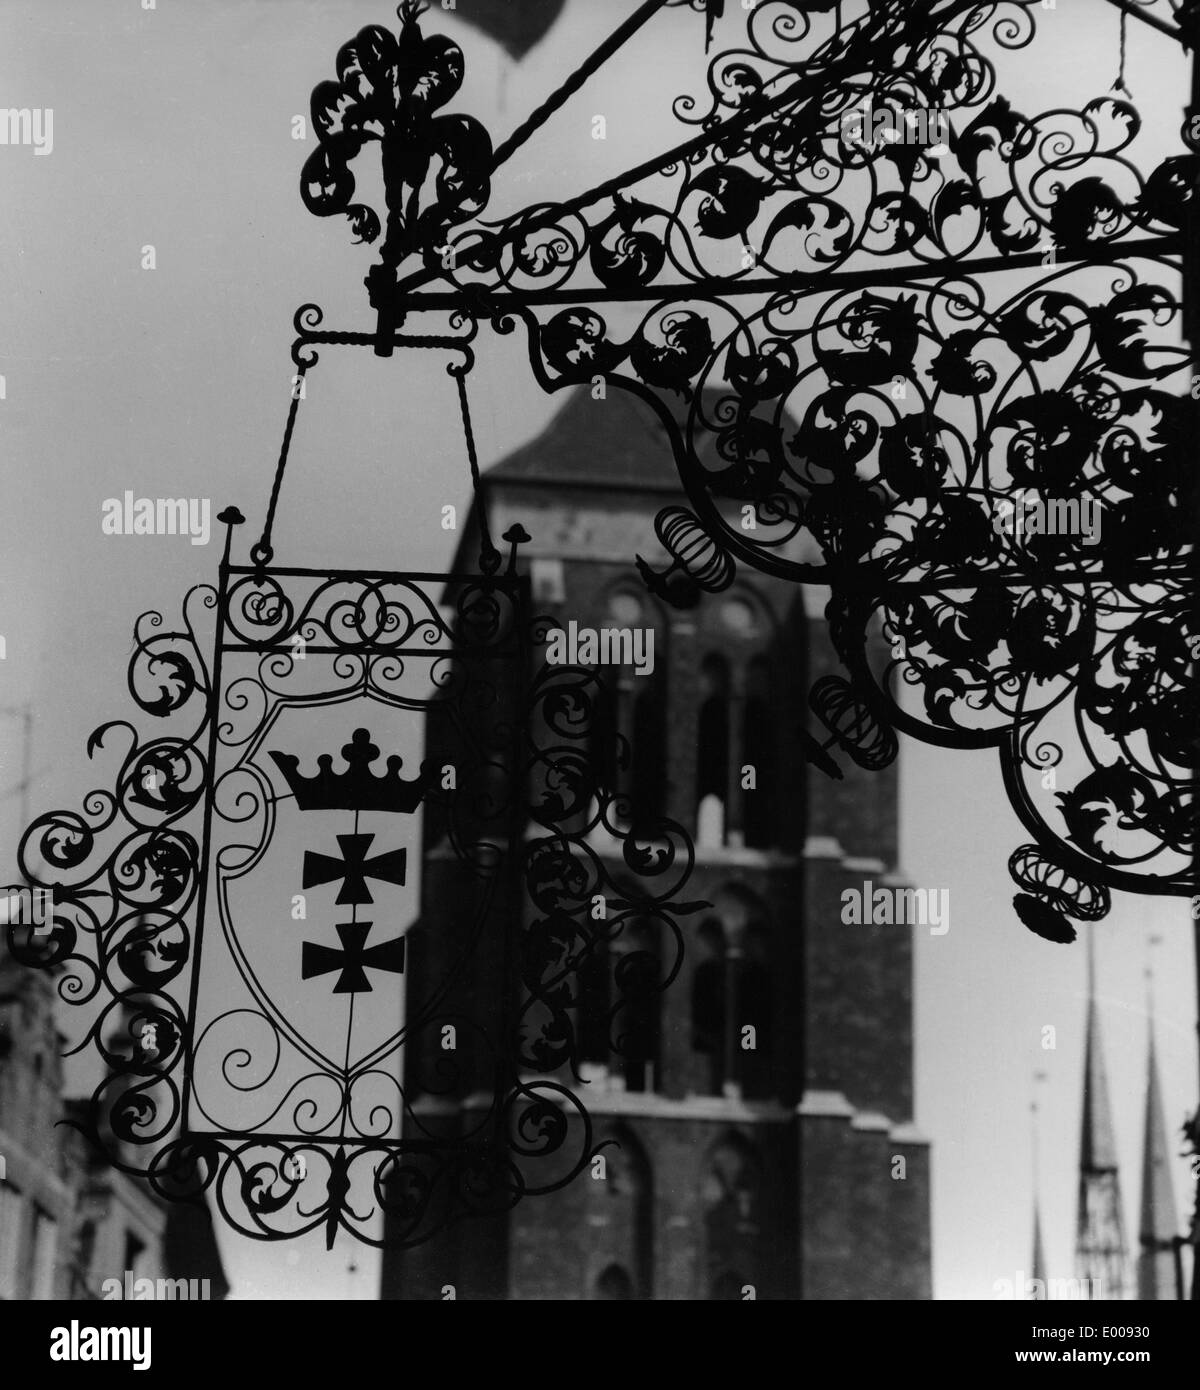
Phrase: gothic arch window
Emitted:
{"points": [[628, 743], [754, 1010], [712, 752], [732, 1197], [648, 782], [731, 996], [637, 1023], [594, 996], [758, 752], [708, 1001], [737, 723], [620, 1002], [625, 1199], [604, 744]]}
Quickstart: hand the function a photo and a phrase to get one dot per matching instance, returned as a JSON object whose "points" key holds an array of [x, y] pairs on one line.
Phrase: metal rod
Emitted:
{"points": [[1170, 245], [1136, 11], [558, 98]]}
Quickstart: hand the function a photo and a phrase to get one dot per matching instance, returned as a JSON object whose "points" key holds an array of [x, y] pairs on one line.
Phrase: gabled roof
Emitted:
{"points": [[618, 441]]}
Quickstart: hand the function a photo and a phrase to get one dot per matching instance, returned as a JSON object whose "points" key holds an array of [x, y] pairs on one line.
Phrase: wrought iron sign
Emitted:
{"points": [[907, 341], [244, 972]]}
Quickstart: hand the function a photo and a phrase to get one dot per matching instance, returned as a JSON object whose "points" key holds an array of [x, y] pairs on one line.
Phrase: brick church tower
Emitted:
{"points": [[786, 1169]]}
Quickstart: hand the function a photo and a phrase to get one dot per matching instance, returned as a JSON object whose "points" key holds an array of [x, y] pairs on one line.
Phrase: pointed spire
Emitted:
{"points": [[1159, 1223], [1098, 1150], [1100, 1251], [1038, 1266], [1039, 1255]]}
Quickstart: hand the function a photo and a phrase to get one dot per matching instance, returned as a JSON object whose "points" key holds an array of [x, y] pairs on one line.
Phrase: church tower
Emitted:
{"points": [[1038, 1266], [1100, 1251], [762, 1109]]}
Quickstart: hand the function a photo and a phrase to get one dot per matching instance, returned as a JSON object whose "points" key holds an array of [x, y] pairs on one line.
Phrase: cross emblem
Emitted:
{"points": [[354, 868], [352, 959]]}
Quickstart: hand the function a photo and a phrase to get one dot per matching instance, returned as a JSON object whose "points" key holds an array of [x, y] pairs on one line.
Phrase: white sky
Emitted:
{"points": [[173, 127]]}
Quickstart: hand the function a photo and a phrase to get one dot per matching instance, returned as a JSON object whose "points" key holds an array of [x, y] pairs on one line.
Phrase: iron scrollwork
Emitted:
{"points": [[884, 316], [252, 1034]]}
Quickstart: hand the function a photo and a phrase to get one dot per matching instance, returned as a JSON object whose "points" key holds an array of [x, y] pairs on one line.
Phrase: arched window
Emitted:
{"points": [[708, 1001], [648, 783], [619, 993], [712, 752], [732, 1216], [625, 1236], [758, 751], [754, 1010], [594, 996], [638, 980], [731, 996], [603, 734], [628, 741]]}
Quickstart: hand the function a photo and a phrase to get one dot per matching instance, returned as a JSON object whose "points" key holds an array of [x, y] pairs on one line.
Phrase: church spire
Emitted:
{"points": [[1038, 1266], [1159, 1222], [1100, 1252], [1039, 1255]]}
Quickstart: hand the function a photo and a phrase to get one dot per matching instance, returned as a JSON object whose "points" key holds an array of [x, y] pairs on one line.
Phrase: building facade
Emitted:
{"points": [[69, 1221], [761, 1106]]}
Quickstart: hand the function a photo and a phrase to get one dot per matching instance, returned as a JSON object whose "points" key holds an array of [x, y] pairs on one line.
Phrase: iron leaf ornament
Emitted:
{"points": [[893, 326], [916, 344]]}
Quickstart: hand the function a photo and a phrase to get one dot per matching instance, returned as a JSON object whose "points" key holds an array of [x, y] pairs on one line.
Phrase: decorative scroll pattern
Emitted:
{"points": [[815, 149], [886, 317], [219, 1079]]}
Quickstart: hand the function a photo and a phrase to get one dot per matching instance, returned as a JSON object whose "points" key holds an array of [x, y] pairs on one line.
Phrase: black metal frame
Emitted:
{"points": [[133, 877]]}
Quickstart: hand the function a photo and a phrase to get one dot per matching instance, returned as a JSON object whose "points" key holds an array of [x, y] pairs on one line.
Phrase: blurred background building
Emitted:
{"points": [[787, 1169], [68, 1220]]}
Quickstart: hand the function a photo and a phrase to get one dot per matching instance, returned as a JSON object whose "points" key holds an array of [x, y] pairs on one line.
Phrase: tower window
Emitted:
{"points": [[620, 1000], [732, 1222], [594, 1004], [625, 1249], [638, 979], [754, 1010], [758, 749], [649, 737], [712, 752], [708, 1002]]}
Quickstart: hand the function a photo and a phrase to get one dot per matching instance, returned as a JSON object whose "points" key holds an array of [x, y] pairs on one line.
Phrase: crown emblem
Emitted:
{"points": [[356, 789]]}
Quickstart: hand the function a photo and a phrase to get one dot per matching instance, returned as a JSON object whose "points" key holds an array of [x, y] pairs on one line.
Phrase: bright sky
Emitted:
{"points": [[172, 127]]}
